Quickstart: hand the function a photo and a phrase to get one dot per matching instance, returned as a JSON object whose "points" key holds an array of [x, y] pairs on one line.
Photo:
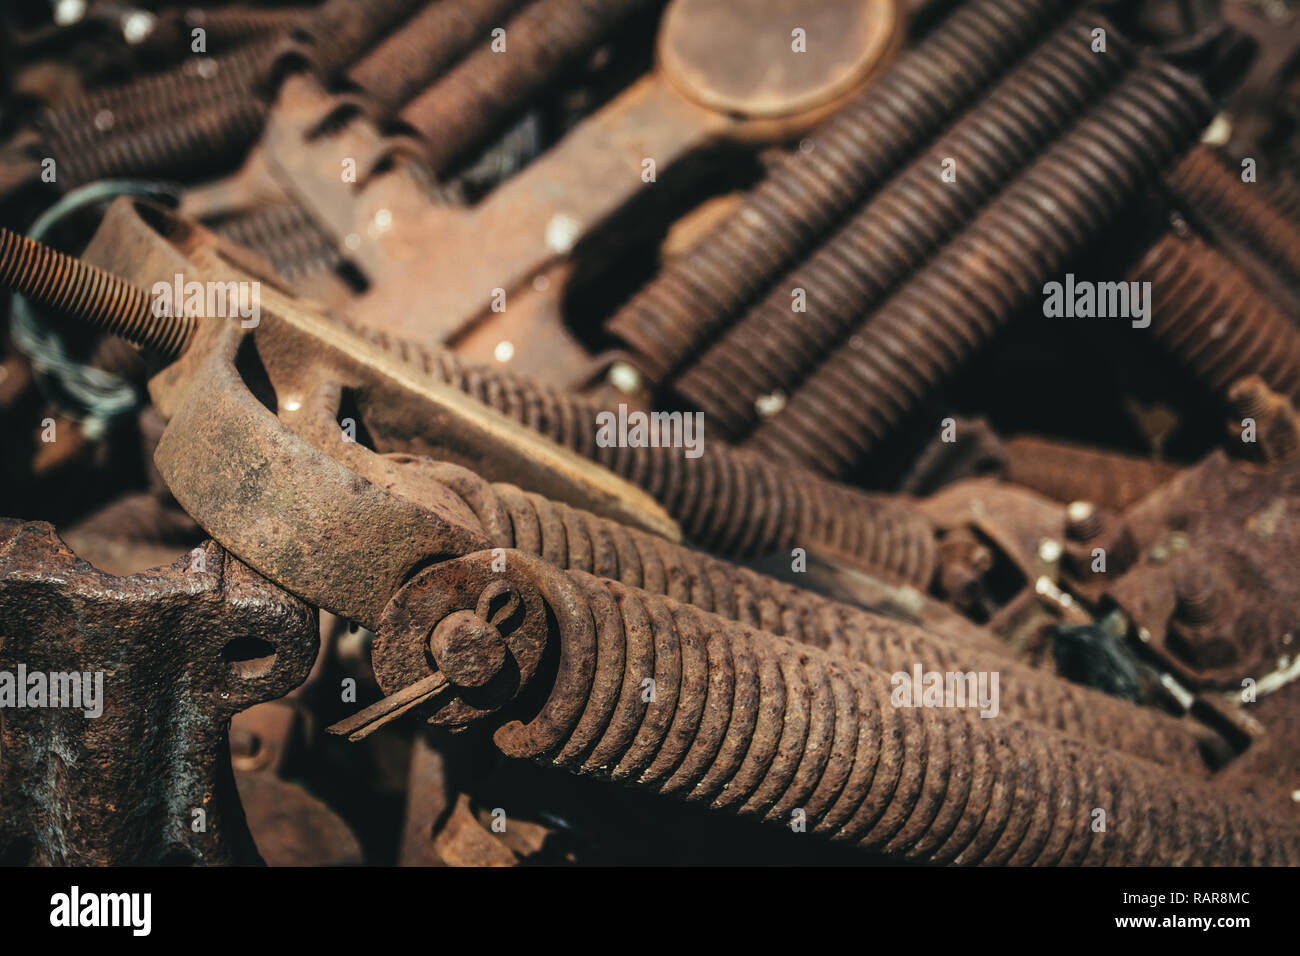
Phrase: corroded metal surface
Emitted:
{"points": [[854, 153], [869, 256], [1219, 605], [808, 248], [178, 651], [973, 285], [748, 723]]}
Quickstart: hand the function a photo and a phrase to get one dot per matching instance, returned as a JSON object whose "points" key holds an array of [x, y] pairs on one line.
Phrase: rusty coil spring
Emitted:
{"points": [[771, 349], [240, 24], [1212, 317], [287, 237], [66, 284], [333, 35], [713, 496], [1284, 192], [1067, 472], [572, 538], [728, 501], [483, 92], [745, 721], [1250, 212], [568, 538], [811, 192], [420, 51], [205, 140], [978, 281], [134, 109], [237, 68]]}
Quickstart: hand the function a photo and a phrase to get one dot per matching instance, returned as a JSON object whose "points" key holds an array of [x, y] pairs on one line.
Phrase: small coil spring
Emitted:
{"points": [[1212, 317], [66, 284]]}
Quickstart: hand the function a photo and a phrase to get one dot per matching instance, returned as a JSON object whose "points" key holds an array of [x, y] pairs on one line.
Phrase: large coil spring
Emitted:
{"points": [[811, 192], [568, 538], [772, 350], [745, 721], [728, 501], [976, 283]]}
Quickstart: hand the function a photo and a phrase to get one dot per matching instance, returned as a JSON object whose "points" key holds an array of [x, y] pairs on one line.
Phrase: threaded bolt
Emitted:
{"points": [[898, 229], [1195, 592], [1249, 397], [742, 721], [66, 284], [1082, 521], [1212, 317], [481, 93], [1249, 211]]}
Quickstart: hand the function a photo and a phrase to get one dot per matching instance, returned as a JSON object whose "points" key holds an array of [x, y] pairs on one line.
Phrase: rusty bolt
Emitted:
{"points": [[937, 320], [1197, 630], [1082, 521], [1248, 397], [1212, 317], [572, 539], [872, 254], [1196, 596], [1277, 430], [469, 650]]}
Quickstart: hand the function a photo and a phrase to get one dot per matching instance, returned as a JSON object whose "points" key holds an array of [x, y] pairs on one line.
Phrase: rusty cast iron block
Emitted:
{"points": [[142, 776]]}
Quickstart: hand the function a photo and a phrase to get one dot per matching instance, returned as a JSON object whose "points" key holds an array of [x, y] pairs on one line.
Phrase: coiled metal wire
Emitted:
{"points": [[568, 538], [695, 296], [747, 722], [772, 348], [1214, 319], [976, 283], [728, 501]]}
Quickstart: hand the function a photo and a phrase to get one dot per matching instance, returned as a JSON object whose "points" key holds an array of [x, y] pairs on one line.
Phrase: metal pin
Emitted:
{"points": [[365, 722]]}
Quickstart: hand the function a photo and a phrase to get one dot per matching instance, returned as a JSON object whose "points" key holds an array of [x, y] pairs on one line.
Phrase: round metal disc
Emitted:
{"points": [[743, 58]]}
